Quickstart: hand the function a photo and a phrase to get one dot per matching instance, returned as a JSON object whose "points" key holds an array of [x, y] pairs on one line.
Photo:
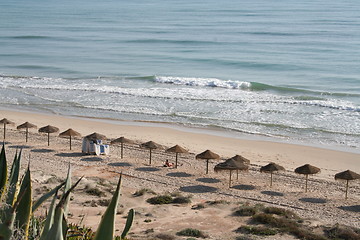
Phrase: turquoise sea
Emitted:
{"points": [[286, 70]]}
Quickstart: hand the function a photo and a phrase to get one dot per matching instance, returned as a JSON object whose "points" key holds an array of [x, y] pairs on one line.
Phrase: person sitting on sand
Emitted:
{"points": [[167, 164]]}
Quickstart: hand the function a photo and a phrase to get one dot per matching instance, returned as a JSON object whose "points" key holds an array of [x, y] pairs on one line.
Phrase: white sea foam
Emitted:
{"points": [[203, 82]]}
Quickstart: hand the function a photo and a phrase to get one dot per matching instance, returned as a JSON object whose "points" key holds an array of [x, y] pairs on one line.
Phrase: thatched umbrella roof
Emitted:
{"points": [[6, 122], [207, 155], [70, 133], [348, 176], [231, 165], [26, 125], [176, 149], [240, 158], [150, 145], [271, 168], [122, 141], [48, 129], [95, 136], [306, 170]]}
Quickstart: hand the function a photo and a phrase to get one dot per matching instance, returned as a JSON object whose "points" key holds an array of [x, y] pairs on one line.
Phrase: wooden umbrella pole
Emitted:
{"points": [[306, 182], [122, 150], [176, 159], [150, 156], [207, 166], [271, 179], [230, 180], [27, 131], [48, 139], [346, 191], [70, 142], [4, 130], [237, 174]]}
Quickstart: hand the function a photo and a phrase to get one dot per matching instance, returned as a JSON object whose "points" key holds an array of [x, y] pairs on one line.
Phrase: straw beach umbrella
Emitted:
{"points": [[150, 145], [48, 129], [122, 141], [26, 125], [271, 168], [348, 176], [207, 155], [6, 122], [306, 170], [231, 165], [95, 136], [176, 149], [70, 133], [240, 159]]}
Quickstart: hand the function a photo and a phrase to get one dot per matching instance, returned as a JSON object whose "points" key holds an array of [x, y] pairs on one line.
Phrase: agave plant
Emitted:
{"points": [[18, 207]]}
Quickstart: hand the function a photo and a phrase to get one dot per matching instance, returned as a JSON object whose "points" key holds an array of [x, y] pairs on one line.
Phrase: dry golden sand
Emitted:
{"points": [[323, 203]]}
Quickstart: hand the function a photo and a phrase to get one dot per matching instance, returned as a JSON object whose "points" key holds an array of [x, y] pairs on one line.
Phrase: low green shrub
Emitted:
{"points": [[191, 232], [342, 232], [95, 191], [287, 225], [246, 211], [162, 199], [281, 212], [256, 230]]}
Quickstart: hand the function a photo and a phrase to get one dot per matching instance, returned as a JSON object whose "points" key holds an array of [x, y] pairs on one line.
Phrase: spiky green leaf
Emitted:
{"points": [[106, 227], [49, 218], [128, 223], [57, 228], [13, 179], [23, 210], [3, 172], [66, 188], [44, 197]]}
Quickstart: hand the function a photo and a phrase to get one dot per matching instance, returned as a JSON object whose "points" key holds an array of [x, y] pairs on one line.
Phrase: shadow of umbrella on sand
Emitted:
{"points": [[122, 141], [48, 129], [231, 165], [306, 170], [207, 155], [240, 159], [176, 149], [6, 122], [271, 168], [26, 125], [150, 145], [70, 133], [348, 176]]}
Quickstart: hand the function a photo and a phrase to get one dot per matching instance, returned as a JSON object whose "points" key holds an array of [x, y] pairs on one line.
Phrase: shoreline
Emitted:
{"points": [[206, 130], [196, 140]]}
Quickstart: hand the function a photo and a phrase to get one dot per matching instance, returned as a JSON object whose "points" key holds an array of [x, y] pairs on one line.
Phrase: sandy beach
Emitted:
{"points": [[323, 204]]}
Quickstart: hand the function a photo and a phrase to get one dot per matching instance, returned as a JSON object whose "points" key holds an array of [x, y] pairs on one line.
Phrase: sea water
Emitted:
{"points": [[288, 70]]}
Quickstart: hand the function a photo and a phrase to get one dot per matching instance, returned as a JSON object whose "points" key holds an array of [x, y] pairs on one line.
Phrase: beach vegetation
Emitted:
{"points": [[161, 199], [95, 191], [164, 236], [191, 232], [244, 211], [286, 225], [257, 230], [342, 232], [168, 199], [280, 212], [143, 191], [18, 222]]}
